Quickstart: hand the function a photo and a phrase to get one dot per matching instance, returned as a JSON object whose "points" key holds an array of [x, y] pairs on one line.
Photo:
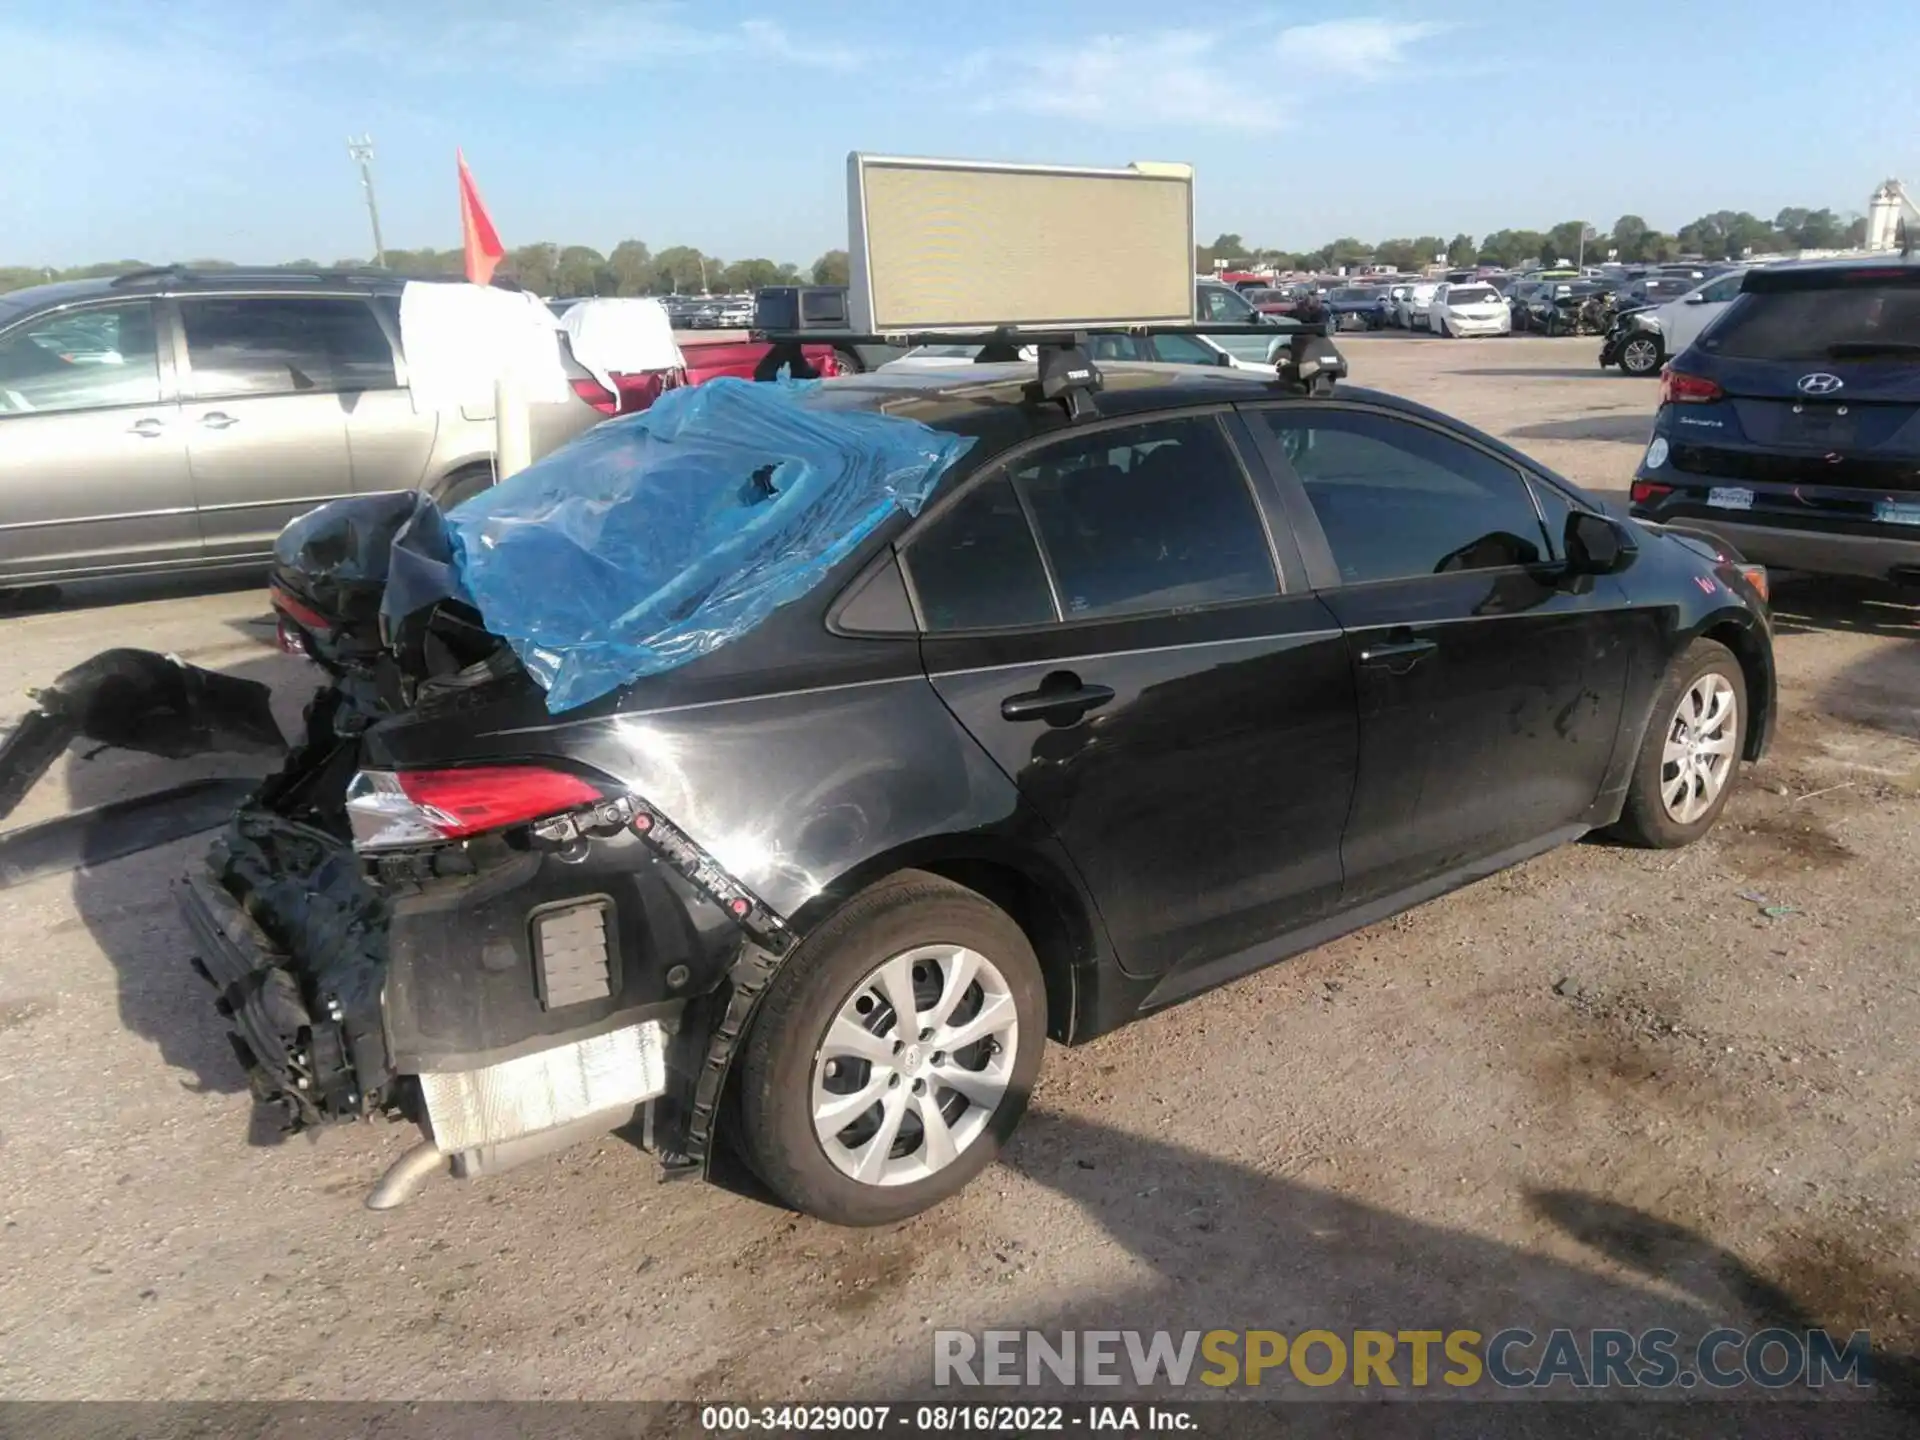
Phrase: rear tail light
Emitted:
{"points": [[393, 809], [1646, 492], [298, 611], [1679, 388], [596, 395]]}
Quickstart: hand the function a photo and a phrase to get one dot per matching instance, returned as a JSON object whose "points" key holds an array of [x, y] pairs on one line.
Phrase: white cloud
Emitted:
{"points": [[773, 40], [1359, 49], [1175, 77]]}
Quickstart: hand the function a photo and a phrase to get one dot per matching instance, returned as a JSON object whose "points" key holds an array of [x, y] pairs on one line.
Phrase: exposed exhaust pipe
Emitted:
{"points": [[405, 1176]]}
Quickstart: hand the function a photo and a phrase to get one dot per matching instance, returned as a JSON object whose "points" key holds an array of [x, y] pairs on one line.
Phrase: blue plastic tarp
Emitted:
{"points": [[655, 539]]}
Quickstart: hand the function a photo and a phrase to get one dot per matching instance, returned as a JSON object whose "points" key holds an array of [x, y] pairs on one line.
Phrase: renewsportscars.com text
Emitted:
{"points": [[1513, 1358]]}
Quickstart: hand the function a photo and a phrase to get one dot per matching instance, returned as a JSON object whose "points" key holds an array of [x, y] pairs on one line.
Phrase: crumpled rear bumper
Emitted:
{"points": [[308, 1066]]}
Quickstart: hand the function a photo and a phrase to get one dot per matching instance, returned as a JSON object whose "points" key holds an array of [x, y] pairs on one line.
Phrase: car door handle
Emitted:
{"points": [[1059, 701], [218, 420], [1397, 657], [147, 429]]}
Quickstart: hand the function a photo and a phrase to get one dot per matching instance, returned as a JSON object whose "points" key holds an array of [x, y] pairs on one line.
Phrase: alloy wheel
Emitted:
{"points": [[914, 1064], [1641, 356], [1699, 753]]}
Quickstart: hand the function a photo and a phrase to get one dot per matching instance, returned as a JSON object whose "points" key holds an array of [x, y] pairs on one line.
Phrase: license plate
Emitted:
{"points": [[1730, 497], [1897, 512]]}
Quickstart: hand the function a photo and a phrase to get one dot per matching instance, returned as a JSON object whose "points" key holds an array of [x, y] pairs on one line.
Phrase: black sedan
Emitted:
{"points": [[1152, 686]]}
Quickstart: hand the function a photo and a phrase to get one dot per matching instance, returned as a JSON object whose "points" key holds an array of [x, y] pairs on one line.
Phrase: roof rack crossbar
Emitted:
{"points": [[1310, 364]]}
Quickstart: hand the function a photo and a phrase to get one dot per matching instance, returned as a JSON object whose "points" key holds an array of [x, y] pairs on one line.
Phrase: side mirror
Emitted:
{"points": [[1696, 298], [1223, 359], [1597, 544]]}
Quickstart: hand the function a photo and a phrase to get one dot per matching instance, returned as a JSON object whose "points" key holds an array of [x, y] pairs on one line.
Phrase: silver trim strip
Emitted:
{"points": [[94, 519]]}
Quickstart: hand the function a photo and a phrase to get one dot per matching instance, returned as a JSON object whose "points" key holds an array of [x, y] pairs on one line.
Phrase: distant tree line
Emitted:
{"points": [[630, 268], [1723, 235]]}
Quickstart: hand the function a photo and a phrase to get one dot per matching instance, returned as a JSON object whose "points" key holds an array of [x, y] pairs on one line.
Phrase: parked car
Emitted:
{"points": [[1354, 307], [1415, 304], [1103, 349], [1648, 290], [173, 420], [1274, 301], [1213, 301], [1665, 330], [1394, 303], [681, 309], [1790, 428], [822, 894], [1458, 311]]}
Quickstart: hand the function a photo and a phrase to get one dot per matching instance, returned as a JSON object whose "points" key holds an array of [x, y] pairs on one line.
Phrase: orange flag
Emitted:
{"points": [[482, 241]]}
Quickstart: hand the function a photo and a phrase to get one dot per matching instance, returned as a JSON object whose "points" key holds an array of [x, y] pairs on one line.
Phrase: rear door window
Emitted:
{"points": [[1821, 324], [1149, 517], [1397, 499], [976, 567], [88, 359], [264, 345]]}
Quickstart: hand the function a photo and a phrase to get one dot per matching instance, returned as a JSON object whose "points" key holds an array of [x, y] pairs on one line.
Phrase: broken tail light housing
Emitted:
{"points": [[396, 809], [1679, 388]]}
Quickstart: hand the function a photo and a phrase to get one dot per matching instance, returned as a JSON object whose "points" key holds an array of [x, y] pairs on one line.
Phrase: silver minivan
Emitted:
{"points": [[174, 420]]}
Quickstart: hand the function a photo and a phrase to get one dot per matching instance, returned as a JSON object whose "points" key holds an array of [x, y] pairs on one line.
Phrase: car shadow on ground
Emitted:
{"points": [[1203, 1243], [1631, 429], [127, 905], [1808, 604]]}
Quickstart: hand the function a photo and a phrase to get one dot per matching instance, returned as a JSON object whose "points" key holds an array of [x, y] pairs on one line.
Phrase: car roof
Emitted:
{"points": [[181, 280]]}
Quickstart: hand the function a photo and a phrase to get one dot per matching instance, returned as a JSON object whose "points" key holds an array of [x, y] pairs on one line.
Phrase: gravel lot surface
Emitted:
{"points": [[1603, 1089]]}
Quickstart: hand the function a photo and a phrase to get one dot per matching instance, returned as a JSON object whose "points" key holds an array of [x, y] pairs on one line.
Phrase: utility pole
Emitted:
{"points": [[1587, 232], [362, 151]]}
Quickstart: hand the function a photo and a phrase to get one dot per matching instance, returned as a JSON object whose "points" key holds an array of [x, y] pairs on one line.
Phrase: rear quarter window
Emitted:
{"points": [[1805, 325]]}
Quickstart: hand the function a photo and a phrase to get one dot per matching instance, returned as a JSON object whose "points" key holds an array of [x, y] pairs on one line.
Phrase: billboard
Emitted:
{"points": [[972, 244]]}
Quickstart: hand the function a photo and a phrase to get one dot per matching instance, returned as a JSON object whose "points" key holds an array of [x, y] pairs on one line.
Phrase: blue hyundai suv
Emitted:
{"points": [[1790, 428]]}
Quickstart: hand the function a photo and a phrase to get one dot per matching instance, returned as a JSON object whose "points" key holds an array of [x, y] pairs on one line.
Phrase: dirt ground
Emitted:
{"points": [[1607, 1088]]}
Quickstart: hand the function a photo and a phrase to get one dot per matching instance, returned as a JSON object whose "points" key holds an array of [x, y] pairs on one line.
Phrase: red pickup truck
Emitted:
{"points": [[706, 360]]}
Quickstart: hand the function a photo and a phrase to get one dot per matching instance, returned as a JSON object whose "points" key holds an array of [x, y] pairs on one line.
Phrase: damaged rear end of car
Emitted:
{"points": [[454, 906]]}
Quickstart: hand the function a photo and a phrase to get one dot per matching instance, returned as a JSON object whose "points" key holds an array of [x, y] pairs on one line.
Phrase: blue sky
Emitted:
{"points": [[184, 128]]}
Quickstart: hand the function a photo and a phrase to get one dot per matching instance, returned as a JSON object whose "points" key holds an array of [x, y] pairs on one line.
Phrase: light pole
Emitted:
{"points": [[1587, 232], [362, 151]]}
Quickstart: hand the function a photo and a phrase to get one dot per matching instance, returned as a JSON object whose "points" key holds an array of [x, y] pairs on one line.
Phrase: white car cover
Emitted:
{"points": [[460, 339], [625, 336]]}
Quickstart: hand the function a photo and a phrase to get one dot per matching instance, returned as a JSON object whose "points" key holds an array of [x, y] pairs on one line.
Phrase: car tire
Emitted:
{"points": [[849, 362], [462, 485], [1443, 330], [908, 929], [1704, 671], [1641, 355]]}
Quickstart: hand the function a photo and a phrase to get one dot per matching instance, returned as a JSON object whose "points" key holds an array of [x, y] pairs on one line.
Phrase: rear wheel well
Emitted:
{"points": [[1747, 649], [1057, 939], [461, 483]]}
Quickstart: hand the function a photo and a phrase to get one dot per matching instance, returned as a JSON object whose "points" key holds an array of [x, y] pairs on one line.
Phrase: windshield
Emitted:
{"points": [[1471, 295], [1354, 292], [1849, 322]]}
